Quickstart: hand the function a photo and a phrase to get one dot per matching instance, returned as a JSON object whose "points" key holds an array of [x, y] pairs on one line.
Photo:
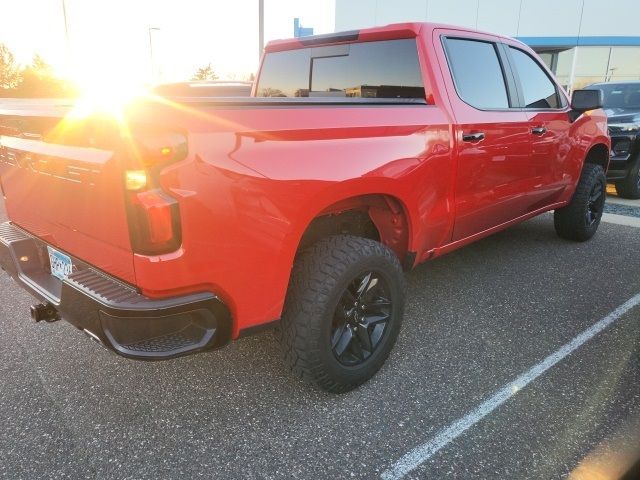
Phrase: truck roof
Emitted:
{"points": [[387, 32]]}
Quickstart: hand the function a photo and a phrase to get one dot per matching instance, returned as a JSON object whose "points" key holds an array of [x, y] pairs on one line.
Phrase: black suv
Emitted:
{"points": [[622, 106]]}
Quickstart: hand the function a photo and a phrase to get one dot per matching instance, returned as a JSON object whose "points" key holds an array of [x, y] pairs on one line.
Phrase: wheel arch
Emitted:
{"points": [[598, 154], [379, 216]]}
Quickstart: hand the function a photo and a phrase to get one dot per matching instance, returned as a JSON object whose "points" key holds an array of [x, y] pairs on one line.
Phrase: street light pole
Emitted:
{"points": [[260, 27]]}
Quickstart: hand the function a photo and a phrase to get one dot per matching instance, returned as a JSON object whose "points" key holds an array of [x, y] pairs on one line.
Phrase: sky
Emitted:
{"points": [[110, 38]]}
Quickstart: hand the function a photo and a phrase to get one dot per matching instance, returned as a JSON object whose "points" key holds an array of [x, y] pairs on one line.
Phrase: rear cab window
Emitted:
{"points": [[379, 69]]}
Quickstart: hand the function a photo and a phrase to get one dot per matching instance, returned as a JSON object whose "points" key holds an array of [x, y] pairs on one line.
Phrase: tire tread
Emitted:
{"points": [[629, 188], [315, 274], [569, 221]]}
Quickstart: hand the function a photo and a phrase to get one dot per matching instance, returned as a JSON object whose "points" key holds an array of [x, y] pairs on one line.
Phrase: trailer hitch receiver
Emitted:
{"points": [[47, 312]]}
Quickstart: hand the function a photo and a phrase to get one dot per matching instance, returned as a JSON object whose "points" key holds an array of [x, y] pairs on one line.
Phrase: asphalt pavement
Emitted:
{"points": [[476, 319]]}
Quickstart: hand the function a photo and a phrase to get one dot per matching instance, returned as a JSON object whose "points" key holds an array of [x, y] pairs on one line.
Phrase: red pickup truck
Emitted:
{"points": [[184, 223]]}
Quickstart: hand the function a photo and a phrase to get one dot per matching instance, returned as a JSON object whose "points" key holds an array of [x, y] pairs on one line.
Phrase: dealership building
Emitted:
{"points": [[582, 41]]}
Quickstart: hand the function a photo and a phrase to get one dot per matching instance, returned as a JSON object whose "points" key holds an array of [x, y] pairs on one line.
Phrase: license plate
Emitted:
{"points": [[61, 265]]}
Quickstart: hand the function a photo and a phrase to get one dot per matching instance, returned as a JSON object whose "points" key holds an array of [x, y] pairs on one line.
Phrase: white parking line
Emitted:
{"points": [[622, 201], [621, 219], [424, 452]]}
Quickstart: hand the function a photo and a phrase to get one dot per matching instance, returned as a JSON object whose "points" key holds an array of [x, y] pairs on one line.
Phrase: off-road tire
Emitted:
{"points": [[320, 277], [571, 222], [630, 186]]}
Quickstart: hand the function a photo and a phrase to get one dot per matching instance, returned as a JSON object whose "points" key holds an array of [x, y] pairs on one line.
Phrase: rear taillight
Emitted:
{"points": [[159, 148], [154, 215], [154, 222]]}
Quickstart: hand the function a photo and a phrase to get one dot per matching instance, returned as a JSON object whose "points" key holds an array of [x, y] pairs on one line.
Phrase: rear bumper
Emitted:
{"points": [[112, 312]]}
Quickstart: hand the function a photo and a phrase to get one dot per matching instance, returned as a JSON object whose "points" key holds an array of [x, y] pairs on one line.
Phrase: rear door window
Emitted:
{"points": [[477, 73], [382, 69], [537, 88]]}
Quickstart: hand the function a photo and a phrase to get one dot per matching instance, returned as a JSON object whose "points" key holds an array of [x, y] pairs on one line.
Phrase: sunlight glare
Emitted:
{"points": [[105, 94], [106, 99]]}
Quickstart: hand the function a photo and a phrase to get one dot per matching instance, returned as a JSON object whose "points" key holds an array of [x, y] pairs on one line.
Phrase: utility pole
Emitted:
{"points": [[66, 32], [151, 59], [260, 28]]}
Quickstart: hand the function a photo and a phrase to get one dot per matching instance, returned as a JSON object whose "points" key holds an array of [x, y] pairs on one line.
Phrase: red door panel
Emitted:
{"points": [[494, 174], [550, 147]]}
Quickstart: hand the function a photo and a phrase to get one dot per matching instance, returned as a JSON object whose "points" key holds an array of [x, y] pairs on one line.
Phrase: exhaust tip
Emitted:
{"points": [[41, 312]]}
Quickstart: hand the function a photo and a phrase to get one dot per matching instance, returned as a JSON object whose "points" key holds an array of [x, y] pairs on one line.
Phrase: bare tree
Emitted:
{"points": [[273, 92], [205, 73]]}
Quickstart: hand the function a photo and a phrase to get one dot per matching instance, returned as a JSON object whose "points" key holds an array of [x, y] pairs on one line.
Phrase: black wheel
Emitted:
{"points": [[630, 186], [580, 219], [343, 312]]}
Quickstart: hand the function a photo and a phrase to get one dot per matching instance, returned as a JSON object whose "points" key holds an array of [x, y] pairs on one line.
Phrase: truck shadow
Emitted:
{"points": [[465, 300], [474, 319]]}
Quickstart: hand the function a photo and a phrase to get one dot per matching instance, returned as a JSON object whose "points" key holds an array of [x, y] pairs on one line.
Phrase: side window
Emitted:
{"points": [[538, 89], [477, 73]]}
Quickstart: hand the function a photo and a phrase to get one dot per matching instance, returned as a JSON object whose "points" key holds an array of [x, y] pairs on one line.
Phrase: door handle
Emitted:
{"points": [[539, 131], [473, 137]]}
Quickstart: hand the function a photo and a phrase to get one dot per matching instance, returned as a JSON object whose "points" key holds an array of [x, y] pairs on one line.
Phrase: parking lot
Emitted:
{"points": [[475, 321]]}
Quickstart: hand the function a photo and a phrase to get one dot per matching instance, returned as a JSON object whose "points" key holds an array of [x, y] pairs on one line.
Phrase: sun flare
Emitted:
{"points": [[103, 94]]}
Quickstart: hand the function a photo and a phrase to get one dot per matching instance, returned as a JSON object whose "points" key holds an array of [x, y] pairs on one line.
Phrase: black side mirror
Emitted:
{"points": [[585, 100]]}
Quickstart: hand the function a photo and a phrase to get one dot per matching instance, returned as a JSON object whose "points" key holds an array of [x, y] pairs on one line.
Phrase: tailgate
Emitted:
{"points": [[70, 196]]}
